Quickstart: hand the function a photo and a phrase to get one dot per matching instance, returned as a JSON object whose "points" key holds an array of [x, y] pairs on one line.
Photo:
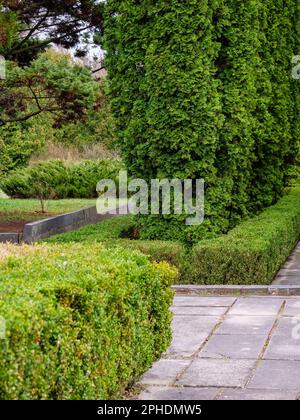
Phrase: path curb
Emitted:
{"points": [[14, 238], [273, 290]]}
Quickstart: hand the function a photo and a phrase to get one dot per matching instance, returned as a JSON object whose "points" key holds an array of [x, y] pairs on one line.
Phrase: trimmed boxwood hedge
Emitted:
{"points": [[251, 253], [110, 233], [254, 251], [82, 322]]}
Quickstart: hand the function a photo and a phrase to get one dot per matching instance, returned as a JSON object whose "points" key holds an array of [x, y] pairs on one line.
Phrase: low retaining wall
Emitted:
{"points": [[14, 238], [43, 229], [64, 223]]}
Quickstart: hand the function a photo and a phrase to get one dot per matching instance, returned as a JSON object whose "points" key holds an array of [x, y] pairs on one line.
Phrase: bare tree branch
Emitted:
{"points": [[48, 41], [31, 32], [99, 69], [27, 116]]}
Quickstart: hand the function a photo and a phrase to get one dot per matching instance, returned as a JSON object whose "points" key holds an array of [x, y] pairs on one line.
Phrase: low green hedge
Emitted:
{"points": [[110, 232], [171, 252], [254, 251], [251, 253], [82, 322], [56, 180]]}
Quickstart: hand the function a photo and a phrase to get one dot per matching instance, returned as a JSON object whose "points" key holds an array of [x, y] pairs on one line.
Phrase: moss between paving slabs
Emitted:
{"points": [[73, 313], [252, 253]]}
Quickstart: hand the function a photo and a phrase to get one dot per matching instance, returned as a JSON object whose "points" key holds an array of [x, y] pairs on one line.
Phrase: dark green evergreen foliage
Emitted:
{"points": [[203, 89], [57, 180]]}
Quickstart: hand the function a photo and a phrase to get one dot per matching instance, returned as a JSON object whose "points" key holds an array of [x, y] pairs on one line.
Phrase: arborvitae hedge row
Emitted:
{"points": [[203, 89]]}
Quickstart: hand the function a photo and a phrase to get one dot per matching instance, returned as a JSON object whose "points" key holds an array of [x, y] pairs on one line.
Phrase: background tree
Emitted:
{"points": [[28, 26], [52, 83], [54, 101]]}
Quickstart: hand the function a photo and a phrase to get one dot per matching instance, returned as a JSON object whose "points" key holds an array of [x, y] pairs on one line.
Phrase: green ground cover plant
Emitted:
{"points": [[82, 322]]}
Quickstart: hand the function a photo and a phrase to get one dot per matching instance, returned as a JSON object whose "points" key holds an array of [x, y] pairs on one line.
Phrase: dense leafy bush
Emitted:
{"points": [[55, 179], [204, 90], [82, 322], [253, 252]]}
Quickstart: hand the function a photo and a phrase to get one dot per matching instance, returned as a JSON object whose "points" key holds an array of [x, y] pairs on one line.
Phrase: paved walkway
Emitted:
{"points": [[289, 275], [229, 348]]}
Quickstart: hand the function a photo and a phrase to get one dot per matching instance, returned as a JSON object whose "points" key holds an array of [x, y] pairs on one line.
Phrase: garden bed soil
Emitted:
{"points": [[14, 223], [12, 227]]}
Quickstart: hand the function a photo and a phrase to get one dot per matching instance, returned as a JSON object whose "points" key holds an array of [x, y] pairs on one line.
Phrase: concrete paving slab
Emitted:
{"points": [[287, 327], [179, 393], [217, 373], [277, 374], [287, 280], [293, 263], [292, 308], [199, 310], [164, 372], [186, 346], [234, 347], [256, 306], [189, 333], [256, 395], [185, 324], [203, 301], [283, 348], [248, 325], [288, 271]]}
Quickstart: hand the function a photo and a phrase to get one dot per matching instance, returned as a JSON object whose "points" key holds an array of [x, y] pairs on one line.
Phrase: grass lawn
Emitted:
{"points": [[30, 210], [108, 230]]}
